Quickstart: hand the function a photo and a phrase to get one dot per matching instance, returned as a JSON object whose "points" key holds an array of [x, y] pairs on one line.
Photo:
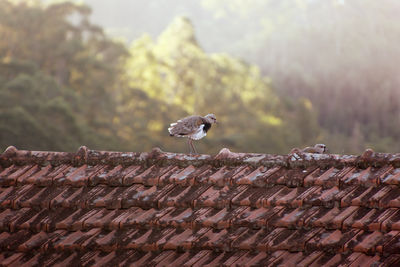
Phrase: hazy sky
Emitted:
{"points": [[131, 19]]}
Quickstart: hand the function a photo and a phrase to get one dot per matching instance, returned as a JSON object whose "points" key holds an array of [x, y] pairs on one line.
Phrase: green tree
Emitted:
{"points": [[182, 78], [58, 75]]}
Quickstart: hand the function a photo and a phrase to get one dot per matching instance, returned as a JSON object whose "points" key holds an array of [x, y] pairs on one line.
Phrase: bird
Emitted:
{"points": [[318, 149], [193, 127]]}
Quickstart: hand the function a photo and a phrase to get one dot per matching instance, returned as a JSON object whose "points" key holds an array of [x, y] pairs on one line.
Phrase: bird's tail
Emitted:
{"points": [[171, 129]]}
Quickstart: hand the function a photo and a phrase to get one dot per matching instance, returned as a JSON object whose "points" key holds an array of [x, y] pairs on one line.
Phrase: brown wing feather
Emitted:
{"points": [[186, 125]]}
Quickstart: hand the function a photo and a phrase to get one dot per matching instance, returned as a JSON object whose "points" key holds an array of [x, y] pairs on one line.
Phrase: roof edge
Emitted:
{"points": [[224, 158]]}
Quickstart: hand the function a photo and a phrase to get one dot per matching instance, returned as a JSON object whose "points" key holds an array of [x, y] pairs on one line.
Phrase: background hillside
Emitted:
{"points": [[278, 74]]}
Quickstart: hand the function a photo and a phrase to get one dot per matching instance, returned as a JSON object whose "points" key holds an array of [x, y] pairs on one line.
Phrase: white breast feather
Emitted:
{"points": [[198, 134]]}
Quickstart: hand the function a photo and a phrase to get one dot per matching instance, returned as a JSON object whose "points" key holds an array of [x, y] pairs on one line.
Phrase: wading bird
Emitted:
{"points": [[318, 148], [193, 127]]}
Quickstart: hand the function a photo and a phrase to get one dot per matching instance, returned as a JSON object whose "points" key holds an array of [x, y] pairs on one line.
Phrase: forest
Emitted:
{"points": [[310, 72]]}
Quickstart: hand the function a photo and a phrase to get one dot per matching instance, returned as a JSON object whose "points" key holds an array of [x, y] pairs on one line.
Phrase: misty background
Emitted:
{"points": [[278, 74]]}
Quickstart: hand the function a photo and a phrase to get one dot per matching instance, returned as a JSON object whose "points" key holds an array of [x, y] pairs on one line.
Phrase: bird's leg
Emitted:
{"points": [[190, 145], [194, 148]]}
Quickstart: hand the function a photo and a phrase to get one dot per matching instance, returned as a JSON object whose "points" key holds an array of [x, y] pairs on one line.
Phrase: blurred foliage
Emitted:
{"points": [[181, 79], [331, 68], [57, 73], [341, 54]]}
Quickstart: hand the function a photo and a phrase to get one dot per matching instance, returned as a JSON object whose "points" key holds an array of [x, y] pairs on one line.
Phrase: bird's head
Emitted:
{"points": [[321, 148], [211, 118]]}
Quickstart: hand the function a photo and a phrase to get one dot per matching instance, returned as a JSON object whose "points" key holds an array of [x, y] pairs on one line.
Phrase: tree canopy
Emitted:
{"points": [[65, 83]]}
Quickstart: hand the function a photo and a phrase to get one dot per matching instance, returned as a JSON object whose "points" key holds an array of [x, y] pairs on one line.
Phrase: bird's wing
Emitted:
{"points": [[309, 150], [186, 125]]}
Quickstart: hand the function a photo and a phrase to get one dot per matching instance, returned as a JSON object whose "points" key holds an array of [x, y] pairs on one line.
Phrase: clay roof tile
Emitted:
{"points": [[159, 208]]}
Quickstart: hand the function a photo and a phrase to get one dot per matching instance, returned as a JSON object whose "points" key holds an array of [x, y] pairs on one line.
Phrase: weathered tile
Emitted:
{"points": [[391, 260], [285, 192], [332, 218], [104, 197], [295, 218], [7, 216], [34, 242], [392, 222], [293, 240], [149, 176], [184, 239], [372, 220], [163, 259], [326, 178], [236, 259], [11, 175], [356, 216], [11, 241], [217, 197], [26, 220], [179, 212], [333, 176], [182, 196], [147, 240], [181, 217], [384, 243], [13, 259], [77, 240], [217, 239], [74, 222], [184, 176], [331, 241], [392, 244], [38, 197], [201, 258], [249, 239], [254, 196], [7, 194], [255, 218], [310, 259], [392, 177], [69, 197], [368, 242], [290, 177], [144, 197], [181, 258], [139, 217], [255, 178], [367, 177], [217, 218], [295, 198], [364, 260], [323, 197], [373, 201], [102, 219], [359, 191], [109, 175], [391, 199], [77, 176], [128, 173], [223, 176], [40, 177], [367, 197]]}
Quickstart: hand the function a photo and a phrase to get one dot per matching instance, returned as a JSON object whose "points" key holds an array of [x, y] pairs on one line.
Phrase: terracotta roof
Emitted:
{"points": [[107, 208]]}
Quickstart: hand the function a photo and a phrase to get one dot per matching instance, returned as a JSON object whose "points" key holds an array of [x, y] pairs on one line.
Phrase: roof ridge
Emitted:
{"points": [[224, 158]]}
